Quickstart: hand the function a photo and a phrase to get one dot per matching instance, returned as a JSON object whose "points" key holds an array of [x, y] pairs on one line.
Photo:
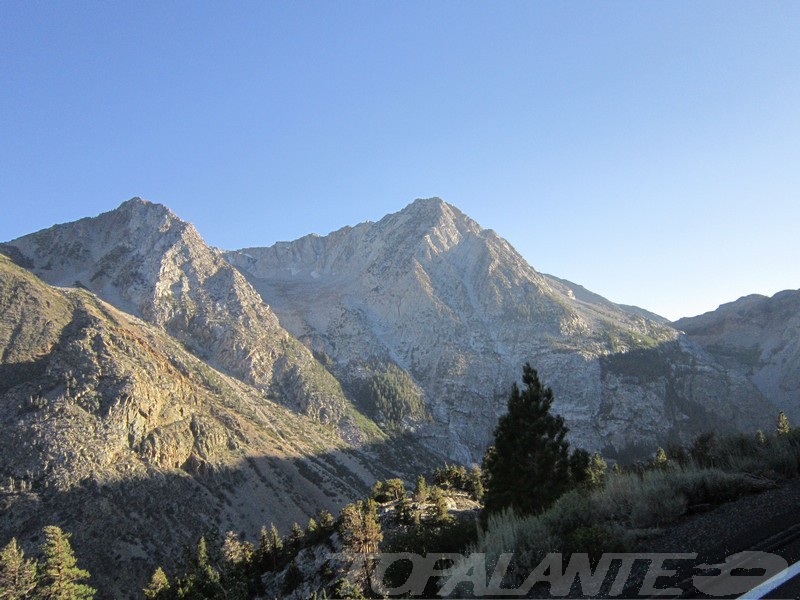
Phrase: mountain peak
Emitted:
{"points": [[435, 207], [140, 205], [433, 214]]}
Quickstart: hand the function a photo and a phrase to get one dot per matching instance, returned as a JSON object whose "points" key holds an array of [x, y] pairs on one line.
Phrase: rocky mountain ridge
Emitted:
{"points": [[430, 292], [144, 260], [758, 337]]}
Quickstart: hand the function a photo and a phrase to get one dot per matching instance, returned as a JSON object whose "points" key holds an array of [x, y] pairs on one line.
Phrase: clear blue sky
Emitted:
{"points": [[648, 151]]}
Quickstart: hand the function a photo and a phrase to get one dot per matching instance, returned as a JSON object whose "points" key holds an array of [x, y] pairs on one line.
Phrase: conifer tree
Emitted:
{"points": [[236, 551], [579, 466], [203, 580], [325, 520], [394, 488], [783, 427], [312, 529], [528, 464], [405, 511], [597, 470], [17, 573], [421, 491], [60, 577], [441, 513], [475, 482], [661, 461], [296, 537], [158, 586], [237, 557], [270, 545], [761, 438], [361, 533]]}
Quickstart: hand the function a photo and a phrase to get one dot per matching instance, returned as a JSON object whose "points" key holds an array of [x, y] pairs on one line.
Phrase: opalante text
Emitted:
{"points": [[611, 575]]}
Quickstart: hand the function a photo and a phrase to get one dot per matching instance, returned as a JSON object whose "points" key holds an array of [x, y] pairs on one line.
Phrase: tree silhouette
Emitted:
{"points": [[528, 465]]}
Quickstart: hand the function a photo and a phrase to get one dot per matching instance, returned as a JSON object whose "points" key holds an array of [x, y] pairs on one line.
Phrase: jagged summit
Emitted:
{"points": [[427, 290], [432, 213], [143, 259], [137, 203]]}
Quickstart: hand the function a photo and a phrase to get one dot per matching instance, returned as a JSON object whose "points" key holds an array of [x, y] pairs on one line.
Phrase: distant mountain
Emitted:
{"points": [[759, 338], [428, 292], [144, 260], [111, 429]]}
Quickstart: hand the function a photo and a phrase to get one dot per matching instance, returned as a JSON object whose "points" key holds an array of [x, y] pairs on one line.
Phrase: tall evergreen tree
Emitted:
{"points": [[475, 482], [361, 533], [421, 491], [158, 586], [60, 577], [528, 465], [17, 573], [204, 576], [596, 474], [783, 427]]}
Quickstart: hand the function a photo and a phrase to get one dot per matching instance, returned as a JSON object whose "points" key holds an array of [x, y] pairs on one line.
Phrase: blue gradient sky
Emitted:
{"points": [[648, 151]]}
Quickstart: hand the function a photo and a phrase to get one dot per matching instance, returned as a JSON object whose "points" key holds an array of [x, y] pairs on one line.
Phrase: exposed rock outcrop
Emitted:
{"points": [[758, 338], [456, 307], [146, 261]]}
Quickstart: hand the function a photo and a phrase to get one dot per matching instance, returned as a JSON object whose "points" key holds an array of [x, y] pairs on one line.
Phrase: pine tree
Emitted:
{"points": [[361, 533], [296, 537], [404, 511], [441, 513], [394, 488], [579, 466], [17, 573], [421, 491], [783, 427], [276, 547], [325, 520], [761, 438], [661, 461], [204, 579], [236, 551], [597, 471], [237, 557], [475, 482], [528, 464], [60, 576], [158, 586], [312, 529]]}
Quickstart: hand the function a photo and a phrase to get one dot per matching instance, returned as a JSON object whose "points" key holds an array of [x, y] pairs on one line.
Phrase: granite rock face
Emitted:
{"points": [[758, 338], [144, 260], [457, 308], [112, 430]]}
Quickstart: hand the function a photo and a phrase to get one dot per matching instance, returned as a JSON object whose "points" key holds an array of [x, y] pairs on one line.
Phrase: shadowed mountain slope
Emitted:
{"points": [[759, 338], [114, 431]]}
